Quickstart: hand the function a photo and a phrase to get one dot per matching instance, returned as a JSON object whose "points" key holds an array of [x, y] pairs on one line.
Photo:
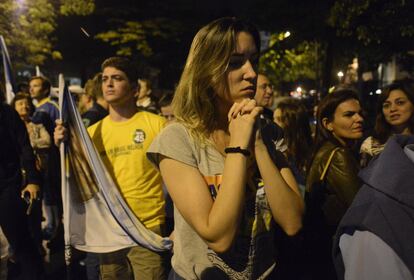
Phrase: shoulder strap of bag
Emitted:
{"points": [[328, 162]]}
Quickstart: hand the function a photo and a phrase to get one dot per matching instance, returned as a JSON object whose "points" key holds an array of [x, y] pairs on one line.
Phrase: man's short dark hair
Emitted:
{"points": [[125, 65], [45, 83]]}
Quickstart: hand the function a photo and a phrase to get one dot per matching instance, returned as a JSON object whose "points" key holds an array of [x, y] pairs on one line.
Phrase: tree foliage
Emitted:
{"points": [[376, 29], [134, 37], [77, 7], [290, 64], [28, 27]]}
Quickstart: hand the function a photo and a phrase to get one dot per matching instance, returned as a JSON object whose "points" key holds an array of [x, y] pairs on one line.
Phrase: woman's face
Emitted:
{"points": [[241, 73], [397, 108], [347, 121], [22, 107]]}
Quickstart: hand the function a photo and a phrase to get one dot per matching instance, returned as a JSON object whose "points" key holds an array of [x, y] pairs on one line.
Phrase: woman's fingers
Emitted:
{"points": [[244, 107], [239, 107], [232, 111], [256, 111], [248, 106]]}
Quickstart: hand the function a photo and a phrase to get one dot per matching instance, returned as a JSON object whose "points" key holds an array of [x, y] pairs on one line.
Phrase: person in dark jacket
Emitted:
{"points": [[16, 153], [145, 100], [375, 237], [339, 124], [95, 107], [47, 113]]}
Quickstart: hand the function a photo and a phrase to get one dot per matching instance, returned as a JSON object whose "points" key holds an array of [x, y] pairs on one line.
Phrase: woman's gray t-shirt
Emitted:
{"points": [[251, 255]]}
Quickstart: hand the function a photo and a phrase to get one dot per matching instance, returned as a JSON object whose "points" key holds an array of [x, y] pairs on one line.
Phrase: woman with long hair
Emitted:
{"points": [[291, 115], [225, 187], [395, 115], [328, 196]]}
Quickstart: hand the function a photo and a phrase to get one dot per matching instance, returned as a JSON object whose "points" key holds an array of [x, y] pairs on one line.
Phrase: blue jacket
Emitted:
{"points": [[46, 113], [385, 203]]}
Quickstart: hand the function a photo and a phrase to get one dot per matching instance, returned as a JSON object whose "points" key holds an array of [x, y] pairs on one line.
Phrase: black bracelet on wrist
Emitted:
{"points": [[237, 150]]}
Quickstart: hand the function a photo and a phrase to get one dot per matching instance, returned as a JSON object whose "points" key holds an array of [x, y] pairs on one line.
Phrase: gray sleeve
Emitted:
{"points": [[173, 142], [366, 257]]}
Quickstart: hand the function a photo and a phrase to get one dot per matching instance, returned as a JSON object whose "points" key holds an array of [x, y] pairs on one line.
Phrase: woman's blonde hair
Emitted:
{"points": [[204, 74]]}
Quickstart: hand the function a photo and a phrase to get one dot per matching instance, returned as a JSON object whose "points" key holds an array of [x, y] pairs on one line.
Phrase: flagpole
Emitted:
{"points": [[8, 76], [64, 180]]}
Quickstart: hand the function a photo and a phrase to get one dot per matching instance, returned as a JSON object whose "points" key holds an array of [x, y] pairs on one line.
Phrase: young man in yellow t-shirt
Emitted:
{"points": [[122, 139]]}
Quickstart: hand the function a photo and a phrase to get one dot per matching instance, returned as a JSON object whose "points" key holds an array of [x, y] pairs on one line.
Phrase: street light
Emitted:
{"points": [[340, 75], [287, 34]]}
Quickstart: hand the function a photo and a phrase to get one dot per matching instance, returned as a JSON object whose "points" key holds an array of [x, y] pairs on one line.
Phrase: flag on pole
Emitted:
{"points": [[38, 72], [8, 77], [96, 216], [64, 179]]}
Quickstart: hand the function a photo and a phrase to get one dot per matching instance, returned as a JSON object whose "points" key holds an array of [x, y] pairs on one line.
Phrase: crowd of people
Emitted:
{"points": [[229, 175]]}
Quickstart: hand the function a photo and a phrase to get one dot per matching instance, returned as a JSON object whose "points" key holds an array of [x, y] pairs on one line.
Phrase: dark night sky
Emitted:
{"points": [[83, 55]]}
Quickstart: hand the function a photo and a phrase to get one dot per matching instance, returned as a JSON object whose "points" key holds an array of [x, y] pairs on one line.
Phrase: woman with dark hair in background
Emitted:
{"points": [[225, 187], [329, 193], [395, 115], [292, 117]]}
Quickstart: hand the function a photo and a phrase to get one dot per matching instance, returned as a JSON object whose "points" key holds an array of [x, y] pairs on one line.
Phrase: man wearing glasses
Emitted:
{"points": [[264, 95]]}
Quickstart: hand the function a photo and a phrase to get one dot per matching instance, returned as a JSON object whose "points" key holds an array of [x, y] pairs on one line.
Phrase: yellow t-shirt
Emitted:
{"points": [[123, 147]]}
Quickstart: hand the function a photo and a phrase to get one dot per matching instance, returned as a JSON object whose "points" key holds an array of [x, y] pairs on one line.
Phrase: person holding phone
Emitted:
{"points": [[16, 153]]}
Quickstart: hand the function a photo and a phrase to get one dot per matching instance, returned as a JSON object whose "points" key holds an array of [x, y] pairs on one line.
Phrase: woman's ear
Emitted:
{"points": [[327, 124]]}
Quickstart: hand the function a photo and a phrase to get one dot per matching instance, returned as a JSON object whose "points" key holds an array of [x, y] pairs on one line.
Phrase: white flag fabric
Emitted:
{"points": [[38, 72], [8, 76], [96, 217]]}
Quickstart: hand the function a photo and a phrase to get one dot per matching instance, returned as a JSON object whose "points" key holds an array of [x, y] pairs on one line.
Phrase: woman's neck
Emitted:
{"points": [[402, 129], [344, 142], [25, 119]]}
